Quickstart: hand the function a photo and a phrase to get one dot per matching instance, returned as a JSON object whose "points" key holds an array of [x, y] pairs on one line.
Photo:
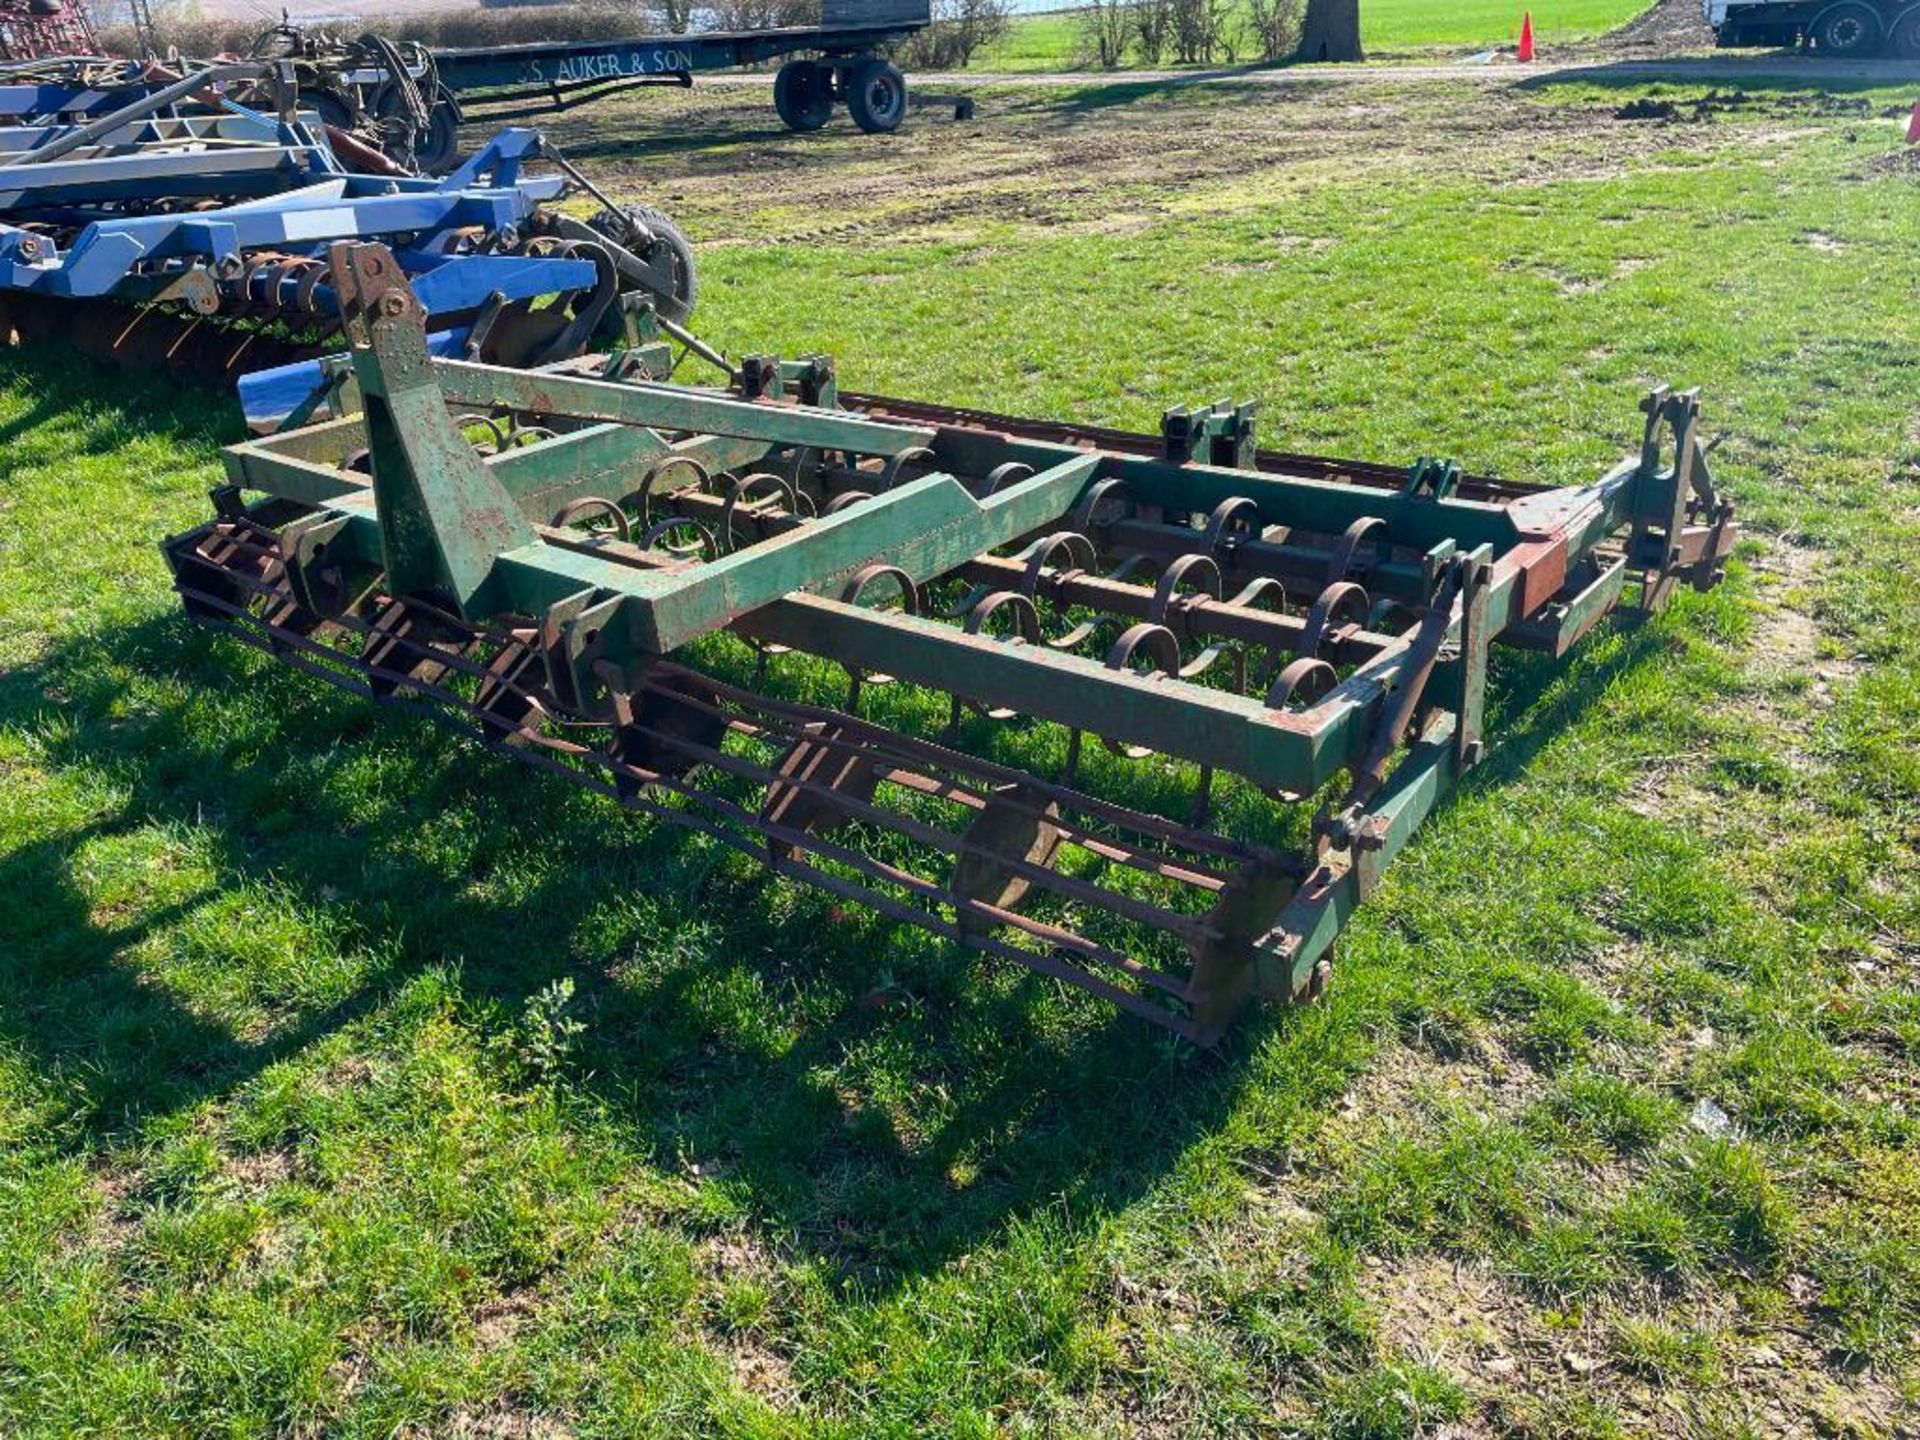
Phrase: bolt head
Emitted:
{"points": [[393, 304]]}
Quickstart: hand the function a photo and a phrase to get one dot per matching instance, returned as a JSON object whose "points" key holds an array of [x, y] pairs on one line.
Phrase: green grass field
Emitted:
{"points": [[355, 1083], [1052, 41]]}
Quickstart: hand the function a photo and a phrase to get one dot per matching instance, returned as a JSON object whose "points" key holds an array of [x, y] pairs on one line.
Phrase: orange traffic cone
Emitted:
{"points": [[1913, 125], [1526, 37]]}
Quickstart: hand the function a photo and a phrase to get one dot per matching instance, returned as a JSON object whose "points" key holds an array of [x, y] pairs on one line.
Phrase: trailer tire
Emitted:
{"points": [[877, 95], [803, 94], [1847, 31], [670, 247], [1903, 36]]}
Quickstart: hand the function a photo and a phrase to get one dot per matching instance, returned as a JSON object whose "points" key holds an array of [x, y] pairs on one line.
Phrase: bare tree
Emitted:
{"points": [[1274, 27], [1152, 28], [959, 28], [1107, 25], [1229, 29], [1331, 31], [759, 14], [1192, 31]]}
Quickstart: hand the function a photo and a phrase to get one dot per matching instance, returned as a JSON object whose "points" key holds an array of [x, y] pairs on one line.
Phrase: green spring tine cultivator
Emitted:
{"points": [[692, 599]]}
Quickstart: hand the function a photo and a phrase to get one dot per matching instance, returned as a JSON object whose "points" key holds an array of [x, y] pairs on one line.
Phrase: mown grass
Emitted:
{"points": [[1055, 40], [354, 1082]]}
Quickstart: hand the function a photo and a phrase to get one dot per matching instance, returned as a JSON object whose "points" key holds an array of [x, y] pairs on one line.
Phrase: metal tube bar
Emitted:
{"points": [[145, 105]]}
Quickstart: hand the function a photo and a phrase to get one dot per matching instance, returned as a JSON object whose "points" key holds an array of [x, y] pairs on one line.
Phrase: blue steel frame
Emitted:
{"points": [[303, 201]]}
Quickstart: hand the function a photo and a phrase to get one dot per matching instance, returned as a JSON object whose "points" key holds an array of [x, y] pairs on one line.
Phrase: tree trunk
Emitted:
{"points": [[1331, 31]]}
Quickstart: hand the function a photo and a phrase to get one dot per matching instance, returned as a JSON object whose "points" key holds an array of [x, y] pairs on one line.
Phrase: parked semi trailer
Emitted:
{"points": [[1833, 27]]}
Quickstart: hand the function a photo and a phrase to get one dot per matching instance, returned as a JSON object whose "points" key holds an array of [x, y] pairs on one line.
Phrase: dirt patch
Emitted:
{"points": [[1463, 1318], [1905, 162], [1672, 27], [1457, 1315], [1648, 109], [737, 1255], [503, 1423], [259, 1170], [762, 1371], [1787, 643], [1441, 1063], [113, 1225], [1115, 158], [496, 1323]]}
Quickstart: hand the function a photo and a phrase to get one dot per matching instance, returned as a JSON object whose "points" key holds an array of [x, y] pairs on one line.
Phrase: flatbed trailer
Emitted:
{"points": [[408, 101], [836, 62]]}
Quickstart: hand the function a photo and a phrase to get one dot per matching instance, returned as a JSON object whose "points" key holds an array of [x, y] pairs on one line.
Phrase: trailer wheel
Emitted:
{"points": [[803, 94], [1903, 38], [1847, 30], [877, 95], [670, 251]]}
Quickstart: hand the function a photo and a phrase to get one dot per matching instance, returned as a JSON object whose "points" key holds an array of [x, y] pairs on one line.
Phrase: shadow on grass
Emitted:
{"points": [[731, 1020], [1741, 72], [1112, 91]]}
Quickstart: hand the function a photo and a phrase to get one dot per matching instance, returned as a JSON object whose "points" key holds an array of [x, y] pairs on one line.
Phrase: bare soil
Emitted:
{"points": [[1117, 156]]}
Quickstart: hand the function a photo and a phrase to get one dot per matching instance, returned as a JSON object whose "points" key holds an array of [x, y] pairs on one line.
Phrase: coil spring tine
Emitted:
{"points": [[1314, 676], [1163, 650], [1010, 472], [1085, 514], [1171, 579], [1343, 597], [704, 546], [1202, 798], [1341, 565], [845, 500], [1257, 590], [850, 594], [1130, 566], [890, 472], [590, 505], [1229, 523], [742, 498], [641, 500]]}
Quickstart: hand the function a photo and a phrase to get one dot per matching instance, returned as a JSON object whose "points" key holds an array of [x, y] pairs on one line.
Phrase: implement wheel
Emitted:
{"points": [[437, 148], [803, 94], [877, 95], [1848, 31], [669, 252]]}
